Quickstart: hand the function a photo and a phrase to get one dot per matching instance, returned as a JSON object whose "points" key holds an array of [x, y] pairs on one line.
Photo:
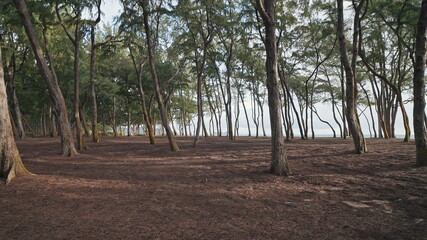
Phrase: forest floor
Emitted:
{"points": [[125, 188]]}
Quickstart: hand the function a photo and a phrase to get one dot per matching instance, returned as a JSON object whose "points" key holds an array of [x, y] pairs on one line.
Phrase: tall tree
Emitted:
{"points": [[154, 75], [279, 162], [68, 148], [92, 74], [350, 76], [10, 160], [13, 68], [92, 65], [76, 40], [419, 88]]}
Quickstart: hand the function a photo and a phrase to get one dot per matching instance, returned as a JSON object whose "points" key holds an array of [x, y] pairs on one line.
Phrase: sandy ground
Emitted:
{"points": [[125, 188]]}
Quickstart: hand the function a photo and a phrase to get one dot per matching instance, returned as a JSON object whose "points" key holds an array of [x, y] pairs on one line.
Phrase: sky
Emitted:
{"points": [[110, 9]]}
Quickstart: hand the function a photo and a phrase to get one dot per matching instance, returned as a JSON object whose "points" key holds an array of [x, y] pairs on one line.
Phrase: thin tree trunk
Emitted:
{"points": [[246, 112], [370, 109], [333, 103], [95, 131], [138, 70], [288, 92], [14, 129], [153, 70], [81, 145], [323, 121], [16, 109], [129, 119], [211, 107]]}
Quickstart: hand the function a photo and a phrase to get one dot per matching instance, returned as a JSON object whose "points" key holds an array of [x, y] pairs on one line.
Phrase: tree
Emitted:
{"points": [[279, 162], [154, 75], [419, 88], [350, 76], [198, 17], [387, 53], [10, 162], [92, 74], [68, 148], [76, 41], [13, 70]]}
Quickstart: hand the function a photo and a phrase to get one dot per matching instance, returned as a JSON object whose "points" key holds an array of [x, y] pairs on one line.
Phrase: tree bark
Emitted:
{"points": [[200, 79], [10, 161], [419, 88], [246, 112], [95, 130], [138, 66], [279, 163], [81, 145], [16, 110], [153, 70], [68, 148], [351, 87]]}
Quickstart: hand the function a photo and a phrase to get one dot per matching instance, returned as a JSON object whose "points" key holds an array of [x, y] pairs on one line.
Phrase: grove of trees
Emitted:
{"points": [[211, 68]]}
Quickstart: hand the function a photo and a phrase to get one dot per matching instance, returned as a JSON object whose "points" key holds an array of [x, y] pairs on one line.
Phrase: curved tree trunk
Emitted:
{"points": [[246, 113], [285, 88], [419, 88], [10, 161], [138, 66], [68, 148], [153, 70], [200, 79], [81, 145], [279, 162], [16, 110], [333, 103], [95, 131], [351, 87]]}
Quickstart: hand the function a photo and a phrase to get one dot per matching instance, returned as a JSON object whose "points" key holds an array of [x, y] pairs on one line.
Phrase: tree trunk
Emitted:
{"points": [[10, 161], [129, 119], [95, 131], [246, 112], [81, 145], [211, 106], [12, 121], [153, 70], [419, 88], [138, 70], [343, 106], [333, 103], [16, 109], [285, 88], [200, 79], [279, 163], [370, 109], [68, 148], [351, 87]]}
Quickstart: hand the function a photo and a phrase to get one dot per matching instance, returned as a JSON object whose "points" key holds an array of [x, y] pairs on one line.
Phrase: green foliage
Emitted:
{"points": [[232, 33]]}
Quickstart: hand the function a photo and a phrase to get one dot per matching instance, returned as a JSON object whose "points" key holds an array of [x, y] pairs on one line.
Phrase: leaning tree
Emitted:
{"points": [[68, 148]]}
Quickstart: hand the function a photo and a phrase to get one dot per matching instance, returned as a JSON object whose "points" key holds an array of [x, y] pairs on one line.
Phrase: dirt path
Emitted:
{"points": [[124, 188]]}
